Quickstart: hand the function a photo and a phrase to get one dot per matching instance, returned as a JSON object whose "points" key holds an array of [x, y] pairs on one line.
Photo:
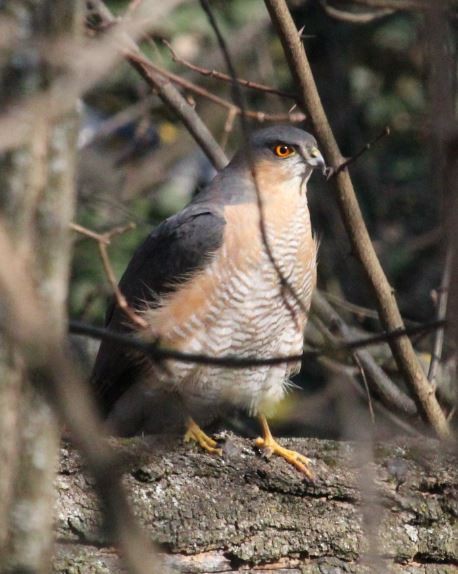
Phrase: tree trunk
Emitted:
{"points": [[244, 513], [36, 204]]}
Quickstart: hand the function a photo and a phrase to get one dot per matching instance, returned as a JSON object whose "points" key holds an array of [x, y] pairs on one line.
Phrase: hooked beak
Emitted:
{"points": [[315, 160]]}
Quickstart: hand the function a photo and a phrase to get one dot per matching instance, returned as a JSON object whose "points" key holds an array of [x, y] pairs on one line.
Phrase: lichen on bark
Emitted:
{"points": [[243, 513]]}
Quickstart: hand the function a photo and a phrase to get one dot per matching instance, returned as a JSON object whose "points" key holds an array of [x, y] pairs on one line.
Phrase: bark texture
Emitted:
{"points": [[244, 513], [36, 205]]}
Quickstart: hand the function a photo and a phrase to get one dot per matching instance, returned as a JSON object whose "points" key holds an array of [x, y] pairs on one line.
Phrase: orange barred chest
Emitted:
{"points": [[238, 305], [240, 298]]}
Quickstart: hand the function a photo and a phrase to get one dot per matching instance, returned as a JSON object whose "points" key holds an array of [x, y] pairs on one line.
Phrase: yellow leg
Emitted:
{"points": [[196, 434], [271, 446]]}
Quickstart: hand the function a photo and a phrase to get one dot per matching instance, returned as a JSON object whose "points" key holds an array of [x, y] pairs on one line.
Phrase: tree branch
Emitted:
{"points": [[242, 513], [45, 353], [225, 78], [387, 391], [158, 353], [166, 91], [190, 86], [402, 349], [103, 240], [369, 145], [442, 302]]}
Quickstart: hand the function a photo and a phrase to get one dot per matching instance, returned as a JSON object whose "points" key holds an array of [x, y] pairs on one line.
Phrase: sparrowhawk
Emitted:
{"points": [[230, 274]]}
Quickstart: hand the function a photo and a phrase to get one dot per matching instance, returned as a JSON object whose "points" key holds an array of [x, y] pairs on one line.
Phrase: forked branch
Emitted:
{"points": [[258, 116], [164, 88], [226, 78], [103, 240]]}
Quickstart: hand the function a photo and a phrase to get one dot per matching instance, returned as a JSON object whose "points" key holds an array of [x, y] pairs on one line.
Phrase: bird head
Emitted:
{"points": [[283, 146], [287, 145], [286, 152]]}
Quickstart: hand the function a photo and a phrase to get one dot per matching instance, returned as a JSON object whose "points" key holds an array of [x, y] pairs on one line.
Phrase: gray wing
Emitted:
{"points": [[181, 245]]}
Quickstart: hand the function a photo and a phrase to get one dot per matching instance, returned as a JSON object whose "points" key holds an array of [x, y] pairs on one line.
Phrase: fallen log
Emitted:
{"points": [[392, 510]]}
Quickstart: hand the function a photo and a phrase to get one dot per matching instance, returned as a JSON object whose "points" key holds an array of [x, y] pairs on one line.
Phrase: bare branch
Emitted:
{"points": [[186, 84], [167, 92], [228, 127], [442, 302], [285, 285], [225, 78], [357, 310], [388, 392], [28, 323], [385, 132], [156, 353], [387, 412], [402, 348]]}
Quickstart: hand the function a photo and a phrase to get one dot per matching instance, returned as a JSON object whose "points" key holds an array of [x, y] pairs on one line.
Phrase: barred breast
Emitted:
{"points": [[237, 306]]}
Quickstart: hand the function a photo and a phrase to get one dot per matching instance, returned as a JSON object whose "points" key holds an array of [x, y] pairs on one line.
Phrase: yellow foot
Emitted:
{"points": [[196, 434], [270, 446]]}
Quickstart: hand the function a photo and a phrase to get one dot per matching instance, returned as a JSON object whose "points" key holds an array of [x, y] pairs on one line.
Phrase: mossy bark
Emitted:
{"points": [[244, 513]]}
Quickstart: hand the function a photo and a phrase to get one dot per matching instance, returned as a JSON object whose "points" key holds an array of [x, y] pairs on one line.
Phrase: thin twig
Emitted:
{"points": [[228, 127], [103, 240], [105, 237], [166, 91], [379, 407], [385, 132], [225, 78], [156, 353], [388, 336], [366, 386], [351, 307], [179, 104], [187, 85], [120, 299], [330, 338], [388, 392], [285, 285], [442, 301], [405, 356]]}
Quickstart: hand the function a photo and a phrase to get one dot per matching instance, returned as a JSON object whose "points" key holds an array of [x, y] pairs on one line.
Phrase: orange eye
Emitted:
{"points": [[283, 150]]}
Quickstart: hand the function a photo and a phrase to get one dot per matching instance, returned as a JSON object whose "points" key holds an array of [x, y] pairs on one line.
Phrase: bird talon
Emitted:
{"points": [[196, 434], [270, 446], [267, 451]]}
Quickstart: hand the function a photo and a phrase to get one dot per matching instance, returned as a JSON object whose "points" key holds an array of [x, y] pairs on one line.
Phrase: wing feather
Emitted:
{"points": [[170, 255]]}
